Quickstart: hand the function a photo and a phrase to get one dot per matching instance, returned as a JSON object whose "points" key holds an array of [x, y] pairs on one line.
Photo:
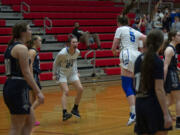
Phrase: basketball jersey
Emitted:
{"points": [[172, 78], [66, 62], [36, 63], [12, 66], [157, 73], [129, 37], [173, 63]]}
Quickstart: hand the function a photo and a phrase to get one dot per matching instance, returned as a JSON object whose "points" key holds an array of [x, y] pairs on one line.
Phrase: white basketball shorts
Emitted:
{"points": [[127, 58]]}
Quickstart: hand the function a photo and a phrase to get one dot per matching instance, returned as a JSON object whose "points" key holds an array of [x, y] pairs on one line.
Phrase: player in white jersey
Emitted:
{"points": [[64, 71], [127, 39]]}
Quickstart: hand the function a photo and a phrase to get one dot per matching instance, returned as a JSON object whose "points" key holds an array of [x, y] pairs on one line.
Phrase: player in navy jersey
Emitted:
{"points": [[33, 46], [15, 90], [152, 115], [64, 71], [172, 85]]}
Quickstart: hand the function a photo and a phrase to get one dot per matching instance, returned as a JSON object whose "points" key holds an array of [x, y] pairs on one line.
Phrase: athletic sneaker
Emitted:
{"points": [[66, 116], [75, 113], [132, 119], [37, 123], [178, 126]]}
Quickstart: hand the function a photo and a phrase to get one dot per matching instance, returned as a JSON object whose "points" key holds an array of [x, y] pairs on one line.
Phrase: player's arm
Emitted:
{"points": [[32, 54], [21, 53], [114, 49], [168, 56], [160, 92], [143, 39], [56, 64]]}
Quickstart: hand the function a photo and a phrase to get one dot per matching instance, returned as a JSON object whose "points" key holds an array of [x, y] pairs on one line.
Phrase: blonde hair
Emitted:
{"points": [[31, 42]]}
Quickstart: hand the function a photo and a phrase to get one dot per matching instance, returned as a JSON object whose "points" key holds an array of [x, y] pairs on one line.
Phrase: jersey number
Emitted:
{"points": [[69, 63], [132, 36]]}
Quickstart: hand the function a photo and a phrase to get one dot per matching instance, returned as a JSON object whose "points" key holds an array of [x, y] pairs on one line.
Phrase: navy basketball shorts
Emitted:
{"points": [[16, 96], [172, 81]]}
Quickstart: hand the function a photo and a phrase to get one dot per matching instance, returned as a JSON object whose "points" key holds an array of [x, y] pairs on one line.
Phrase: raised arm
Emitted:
{"points": [[129, 7]]}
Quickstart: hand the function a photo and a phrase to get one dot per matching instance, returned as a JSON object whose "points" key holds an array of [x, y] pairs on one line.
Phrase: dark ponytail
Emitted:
{"points": [[17, 30], [153, 43], [171, 34]]}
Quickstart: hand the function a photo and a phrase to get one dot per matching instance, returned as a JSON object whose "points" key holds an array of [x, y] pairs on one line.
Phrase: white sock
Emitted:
{"points": [[132, 108]]}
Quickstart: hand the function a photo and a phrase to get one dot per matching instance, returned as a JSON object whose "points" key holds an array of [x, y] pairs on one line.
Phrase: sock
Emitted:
{"points": [[132, 108], [178, 119], [75, 107], [64, 111]]}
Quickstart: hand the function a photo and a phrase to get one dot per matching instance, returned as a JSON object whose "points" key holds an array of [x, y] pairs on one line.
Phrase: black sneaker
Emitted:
{"points": [[67, 116], [75, 113], [178, 126]]}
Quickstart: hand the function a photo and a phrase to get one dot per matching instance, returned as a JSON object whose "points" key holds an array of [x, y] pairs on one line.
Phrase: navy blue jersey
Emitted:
{"points": [[36, 63], [12, 65], [172, 78], [158, 73], [173, 63]]}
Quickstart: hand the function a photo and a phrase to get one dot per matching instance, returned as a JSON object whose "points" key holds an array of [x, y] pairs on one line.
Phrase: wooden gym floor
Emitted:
{"points": [[104, 110]]}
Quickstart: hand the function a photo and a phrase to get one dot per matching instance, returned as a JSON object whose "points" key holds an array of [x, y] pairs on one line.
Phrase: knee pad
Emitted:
{"points": [[127, 85]]}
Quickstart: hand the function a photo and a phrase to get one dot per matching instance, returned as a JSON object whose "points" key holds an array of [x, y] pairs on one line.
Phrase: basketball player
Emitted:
{"points": [[15, 90], [172, 85], [152, 115], [127, 39], [64, 71], [33, 46]]}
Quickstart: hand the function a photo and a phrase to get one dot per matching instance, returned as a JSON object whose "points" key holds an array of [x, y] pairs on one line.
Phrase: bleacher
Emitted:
{"points": [[93, 16]]}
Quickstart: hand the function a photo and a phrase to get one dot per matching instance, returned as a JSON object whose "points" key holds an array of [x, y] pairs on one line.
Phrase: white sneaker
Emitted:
{"points": [[132, 119]]}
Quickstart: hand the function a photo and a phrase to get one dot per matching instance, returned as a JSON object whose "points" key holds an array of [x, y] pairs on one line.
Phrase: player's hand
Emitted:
{"points": [[167, 121], [54, 77], [116, 52], [40, 97]]}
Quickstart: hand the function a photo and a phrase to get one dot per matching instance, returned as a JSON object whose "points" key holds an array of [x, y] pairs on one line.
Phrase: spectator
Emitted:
{"points": [[166, 20], [140, 24], [174, 13], [148, 24], [85, 37], [176, 24], [158, 16], [137, 24]]}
